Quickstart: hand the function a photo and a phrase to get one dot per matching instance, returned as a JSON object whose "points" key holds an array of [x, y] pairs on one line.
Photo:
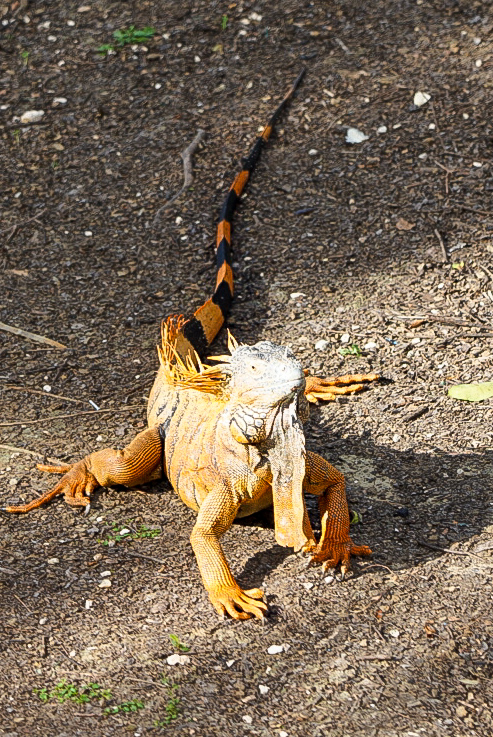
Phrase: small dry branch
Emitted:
{"points": [[32, 336], [186, 156]]}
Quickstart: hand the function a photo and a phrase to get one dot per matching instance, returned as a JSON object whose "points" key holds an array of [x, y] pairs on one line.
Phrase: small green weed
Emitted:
{"points": [[25, 57], [16, 134], [64, 691], [224, 22], [352, 350], [172, 708], [175, 641], [125, 707], [127, 37], [119, 533]]}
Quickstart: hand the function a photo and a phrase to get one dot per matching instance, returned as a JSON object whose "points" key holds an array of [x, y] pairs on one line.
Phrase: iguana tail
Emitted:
{"points": [[197, 333]]}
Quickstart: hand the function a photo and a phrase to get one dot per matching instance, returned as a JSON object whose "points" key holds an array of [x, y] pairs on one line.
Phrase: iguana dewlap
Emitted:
{"points": [[229, 437]]}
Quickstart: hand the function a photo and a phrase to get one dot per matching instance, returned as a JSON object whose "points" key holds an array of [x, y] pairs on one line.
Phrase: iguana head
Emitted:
{"points": [[263, 377]]}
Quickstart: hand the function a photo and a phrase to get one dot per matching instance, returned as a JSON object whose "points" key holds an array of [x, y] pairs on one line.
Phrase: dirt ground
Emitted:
{"points": [[386, 245]]}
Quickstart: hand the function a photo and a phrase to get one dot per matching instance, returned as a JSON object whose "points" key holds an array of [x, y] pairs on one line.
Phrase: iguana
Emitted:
{"points": [[229, 436]]}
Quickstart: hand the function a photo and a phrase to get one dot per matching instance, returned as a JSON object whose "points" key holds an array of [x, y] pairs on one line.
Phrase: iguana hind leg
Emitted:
{"points": [[215, 516], [335, 545], [139, 462], [327, 389]]}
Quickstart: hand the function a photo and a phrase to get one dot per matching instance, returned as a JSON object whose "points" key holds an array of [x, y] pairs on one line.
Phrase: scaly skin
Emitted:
{"points": [[229, 438]]}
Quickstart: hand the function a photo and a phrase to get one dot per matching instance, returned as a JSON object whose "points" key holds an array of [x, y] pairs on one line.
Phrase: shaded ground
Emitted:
{"points": [[405, 646]]}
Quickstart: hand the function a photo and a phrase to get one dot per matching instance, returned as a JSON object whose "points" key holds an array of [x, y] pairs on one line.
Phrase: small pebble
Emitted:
{"points": [[53, 561], [312, 152], [71, 23], [84, 9], [477, 164], [345, 338], [60, 100], [105, 574], [421, 98], [177, 659], [479, 63], [105, 584], [43, 620], [382, 129], [13, 482], [283, 734], [32, 116], [275, 649], [465, 116], [88, 604], [329, 579], [394, 633], [263, 689], [353, 135], [124, 531], [371, 346], [88, 233], [247, 718], [158, 86], [307, 586], [297, 295], [47, 388], [321, 345], [229, 663], [461, 711]]}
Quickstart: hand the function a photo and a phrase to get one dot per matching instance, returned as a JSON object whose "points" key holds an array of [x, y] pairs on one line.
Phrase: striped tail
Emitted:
{"points": [[197, 333]]}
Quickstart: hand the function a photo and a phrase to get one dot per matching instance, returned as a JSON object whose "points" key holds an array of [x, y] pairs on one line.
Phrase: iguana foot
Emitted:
{"points": [[77, 485], [327, 389], [237, 603], [334, 553]]}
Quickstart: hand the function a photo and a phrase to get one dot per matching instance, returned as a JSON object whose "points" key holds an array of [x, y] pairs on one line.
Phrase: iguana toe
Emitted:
{"points": [[239, 604]]}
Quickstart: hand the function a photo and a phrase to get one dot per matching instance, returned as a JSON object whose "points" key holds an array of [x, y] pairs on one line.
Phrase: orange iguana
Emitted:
{"points": [[229, 437]]}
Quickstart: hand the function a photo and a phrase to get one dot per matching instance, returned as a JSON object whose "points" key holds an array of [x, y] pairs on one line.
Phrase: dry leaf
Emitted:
{"points": [[403, 224]]}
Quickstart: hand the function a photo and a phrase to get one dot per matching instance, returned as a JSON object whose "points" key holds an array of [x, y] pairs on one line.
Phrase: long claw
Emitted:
{"points": [[87, 509]]}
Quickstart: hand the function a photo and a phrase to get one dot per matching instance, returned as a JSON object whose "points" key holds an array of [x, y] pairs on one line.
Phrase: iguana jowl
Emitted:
{"points": [[229, 436]]}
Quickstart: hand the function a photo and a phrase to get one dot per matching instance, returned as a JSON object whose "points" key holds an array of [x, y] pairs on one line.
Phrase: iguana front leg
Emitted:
{"points": [[327, 389], [335, 545], [139, 462], [216, 515]]}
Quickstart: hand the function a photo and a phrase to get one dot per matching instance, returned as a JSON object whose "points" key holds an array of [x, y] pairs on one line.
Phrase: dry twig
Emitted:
{"points": [[442, 245], [43, 394], [32, 336], [186, 156]]}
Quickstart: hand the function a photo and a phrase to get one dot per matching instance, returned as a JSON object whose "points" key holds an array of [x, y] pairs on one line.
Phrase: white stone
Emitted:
{"points": [[229, 663], [345, 338], [479, 63], [88, 233], [60, 101], [394, 633], [47, 388], [312, 152], [283, 734], [263, 689], [71, 23], [321, 345], [88, 604], [13, 482], [105, 584], [421, 98], [247, 718], [329, 579], [105, 574], [396, 438], [177, 659], [53, 561], [32, 116], [307, 586], [477, 164], [382, 129], [370, 346], [432, 126], [124, 531], [158, 86], [353, 135], [275, 649], [43, 620], [297, 295]]}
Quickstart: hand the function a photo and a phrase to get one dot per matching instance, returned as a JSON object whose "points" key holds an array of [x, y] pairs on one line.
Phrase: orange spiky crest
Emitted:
{"points": [[189, 372]]}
